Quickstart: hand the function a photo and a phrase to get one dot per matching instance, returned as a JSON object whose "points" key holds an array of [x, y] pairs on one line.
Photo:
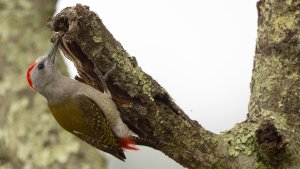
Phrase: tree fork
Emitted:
{"points": [[149, 111]]}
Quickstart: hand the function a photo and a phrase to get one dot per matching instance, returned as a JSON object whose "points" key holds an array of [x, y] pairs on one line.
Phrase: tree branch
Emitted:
{"points": [[148, 109]]}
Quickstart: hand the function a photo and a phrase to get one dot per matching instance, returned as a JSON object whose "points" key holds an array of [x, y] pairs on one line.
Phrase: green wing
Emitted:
{"points": [[81, 116]]}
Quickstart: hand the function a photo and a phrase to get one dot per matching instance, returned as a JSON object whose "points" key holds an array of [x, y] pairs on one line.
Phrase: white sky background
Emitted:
{"points": [[201, 52]]}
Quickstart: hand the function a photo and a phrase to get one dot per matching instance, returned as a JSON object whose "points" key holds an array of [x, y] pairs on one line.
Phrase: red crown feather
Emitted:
{"points": [[28, 74]]}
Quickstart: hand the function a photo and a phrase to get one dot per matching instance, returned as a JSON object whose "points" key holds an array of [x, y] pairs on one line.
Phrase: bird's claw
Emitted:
{"points": [[104, 77]]}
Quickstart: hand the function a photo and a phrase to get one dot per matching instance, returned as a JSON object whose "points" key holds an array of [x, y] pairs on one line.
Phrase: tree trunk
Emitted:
{"points": [[269, 138], [29, 136]]}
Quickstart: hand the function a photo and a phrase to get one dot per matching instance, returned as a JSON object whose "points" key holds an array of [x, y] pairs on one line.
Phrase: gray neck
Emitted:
{"points": [[57, 88]]}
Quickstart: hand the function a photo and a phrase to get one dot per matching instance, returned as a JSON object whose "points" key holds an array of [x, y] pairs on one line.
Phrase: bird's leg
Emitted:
{"points": [[104, 78]]}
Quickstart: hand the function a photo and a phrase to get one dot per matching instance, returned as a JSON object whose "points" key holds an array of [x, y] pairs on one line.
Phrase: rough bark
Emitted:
{"points": [[29, 136], [269, 138]]}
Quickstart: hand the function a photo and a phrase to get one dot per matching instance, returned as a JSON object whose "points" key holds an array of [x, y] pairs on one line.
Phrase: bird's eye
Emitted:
{"points": [[40, 66]]}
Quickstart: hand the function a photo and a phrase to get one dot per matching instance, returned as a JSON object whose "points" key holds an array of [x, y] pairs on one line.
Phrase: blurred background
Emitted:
{"points": [[215, 38]]}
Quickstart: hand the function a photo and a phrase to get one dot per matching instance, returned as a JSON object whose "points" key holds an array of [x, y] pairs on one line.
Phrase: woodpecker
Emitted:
{"points": [[79, 108]]}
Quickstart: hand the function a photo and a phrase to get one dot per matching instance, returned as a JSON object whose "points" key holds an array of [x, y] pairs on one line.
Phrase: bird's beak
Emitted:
{"points": [[52, 53]]}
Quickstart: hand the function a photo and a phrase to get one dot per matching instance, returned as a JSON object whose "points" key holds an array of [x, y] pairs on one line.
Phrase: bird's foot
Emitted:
{"points": [[104, 77]]}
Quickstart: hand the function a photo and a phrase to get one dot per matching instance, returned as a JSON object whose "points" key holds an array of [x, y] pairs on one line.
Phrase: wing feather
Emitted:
{"points": [[100, 135], [81, 116]]}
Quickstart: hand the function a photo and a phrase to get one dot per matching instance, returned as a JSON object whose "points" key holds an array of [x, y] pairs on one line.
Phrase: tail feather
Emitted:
{"points": [[128, 143]]}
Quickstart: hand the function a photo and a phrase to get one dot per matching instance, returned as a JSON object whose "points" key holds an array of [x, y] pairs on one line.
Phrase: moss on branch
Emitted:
{"points": [[149, 111]]}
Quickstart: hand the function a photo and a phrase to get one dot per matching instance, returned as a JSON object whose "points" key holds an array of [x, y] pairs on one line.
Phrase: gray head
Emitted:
{"points": [[43, 70]]}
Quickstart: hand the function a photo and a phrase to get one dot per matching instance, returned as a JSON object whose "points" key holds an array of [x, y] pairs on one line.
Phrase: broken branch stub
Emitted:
{"points": [[145, 106]]}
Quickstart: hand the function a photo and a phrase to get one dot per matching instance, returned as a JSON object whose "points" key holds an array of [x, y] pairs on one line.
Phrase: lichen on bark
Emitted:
{"points": [[262, 141]]}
